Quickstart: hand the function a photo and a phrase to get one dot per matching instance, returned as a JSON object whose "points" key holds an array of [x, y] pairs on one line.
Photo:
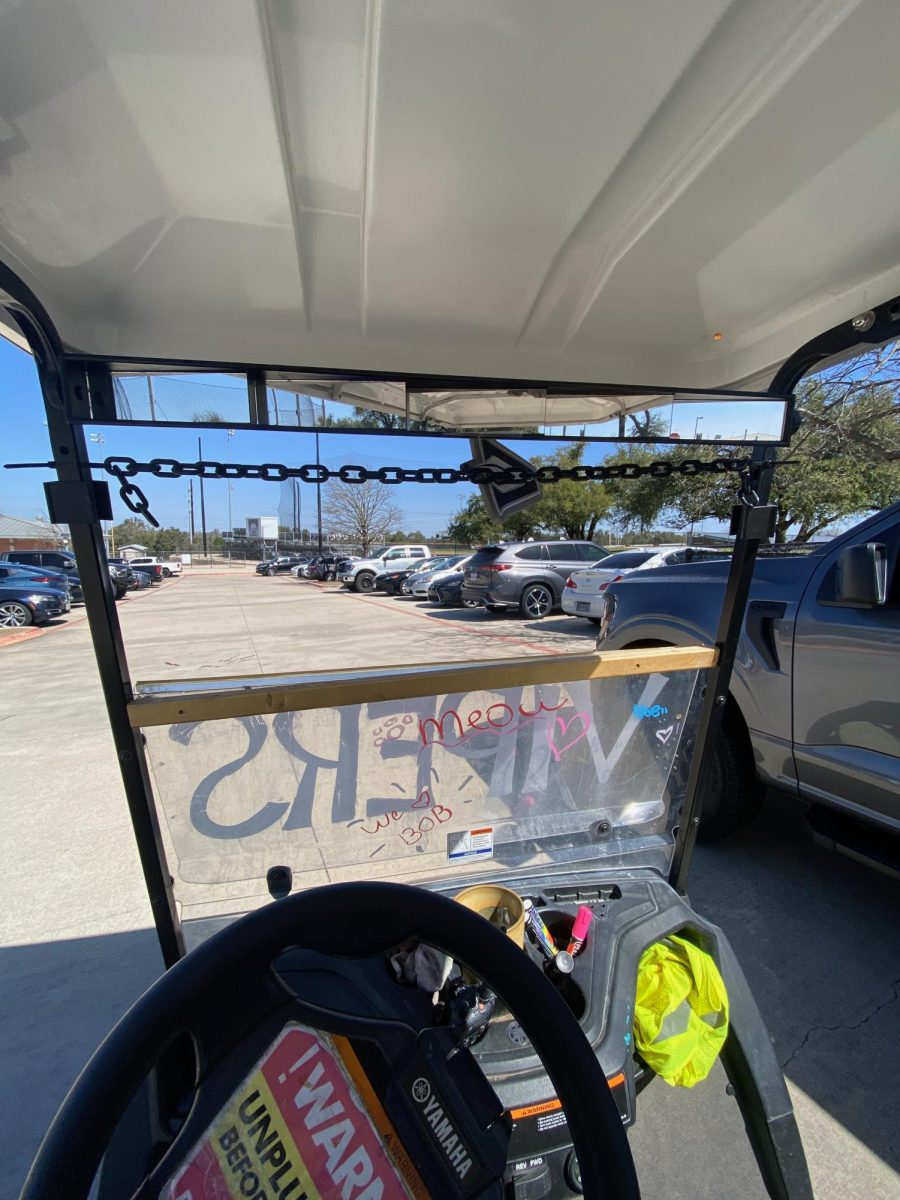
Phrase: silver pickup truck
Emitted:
{"points": [[814, 704]]}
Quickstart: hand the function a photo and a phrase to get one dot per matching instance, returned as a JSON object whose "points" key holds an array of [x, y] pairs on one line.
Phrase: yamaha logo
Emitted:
{"points": [[448, 1139]]}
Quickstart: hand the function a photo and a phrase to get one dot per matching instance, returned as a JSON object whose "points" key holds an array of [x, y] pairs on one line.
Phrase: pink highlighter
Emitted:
{"points": [[579, 929]]}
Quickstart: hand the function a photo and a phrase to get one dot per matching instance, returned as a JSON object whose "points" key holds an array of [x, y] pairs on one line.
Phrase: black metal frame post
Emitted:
{"points": [[752, 523], [76, 503]]}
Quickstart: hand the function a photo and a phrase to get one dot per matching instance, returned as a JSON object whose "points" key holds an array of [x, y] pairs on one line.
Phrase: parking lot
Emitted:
{"points": [[817, 934], [254, 624]]}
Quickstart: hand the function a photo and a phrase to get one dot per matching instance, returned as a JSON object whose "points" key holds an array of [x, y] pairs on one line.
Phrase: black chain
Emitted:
{"points": [[124, 469], [170, 468], [136, 500]]}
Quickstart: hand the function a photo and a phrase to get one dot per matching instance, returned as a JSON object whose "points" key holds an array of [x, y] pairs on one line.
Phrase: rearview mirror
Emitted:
{"points": [[861, 576]]}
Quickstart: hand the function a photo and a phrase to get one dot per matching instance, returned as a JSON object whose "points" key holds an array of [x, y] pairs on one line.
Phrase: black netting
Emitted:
{"points": [[181, 399]]}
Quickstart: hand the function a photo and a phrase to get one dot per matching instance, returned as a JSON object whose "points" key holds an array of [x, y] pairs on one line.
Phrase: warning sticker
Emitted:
{"points": [[470, 843], [534, 1110], [296, 1127], [537, 1125], [550, 1121]]}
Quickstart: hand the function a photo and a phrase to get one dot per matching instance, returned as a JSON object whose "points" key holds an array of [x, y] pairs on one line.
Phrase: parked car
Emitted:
{"points": [[139, 581], [361, 575], [419, 582], [299, 569], [279, 564], [121, 575], [529, 576], [322, 568], [583, 594], [153, 569], [167, 568], [394, 582], [814, 702], [423, 568], [446, 589], [23, 604], [20, 572], [56, 560]]}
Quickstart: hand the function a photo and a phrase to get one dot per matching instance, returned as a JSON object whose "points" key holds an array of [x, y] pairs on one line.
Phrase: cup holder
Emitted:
{"points": [[560, 926]]}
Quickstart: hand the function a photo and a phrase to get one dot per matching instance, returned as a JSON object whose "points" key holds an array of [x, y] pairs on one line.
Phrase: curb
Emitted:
{"points": [[23, 635]]}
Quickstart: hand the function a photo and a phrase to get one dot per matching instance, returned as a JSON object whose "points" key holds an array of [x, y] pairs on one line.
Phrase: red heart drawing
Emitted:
{"points": [[564, 727]]}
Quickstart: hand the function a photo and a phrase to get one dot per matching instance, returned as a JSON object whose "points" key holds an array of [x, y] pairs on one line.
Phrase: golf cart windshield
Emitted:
{"points": [[437, 775]]}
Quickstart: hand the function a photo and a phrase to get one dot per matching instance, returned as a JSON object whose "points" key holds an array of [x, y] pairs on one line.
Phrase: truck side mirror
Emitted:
{"points": [[861, 576]]}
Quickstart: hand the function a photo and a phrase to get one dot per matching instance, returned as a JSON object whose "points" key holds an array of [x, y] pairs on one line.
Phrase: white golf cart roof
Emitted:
{"points": [[614, 191]]}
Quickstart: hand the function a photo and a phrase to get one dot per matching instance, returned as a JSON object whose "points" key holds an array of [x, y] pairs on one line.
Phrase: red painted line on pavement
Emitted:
{"points": [[21, 635], [35, 631], [500, 637]]}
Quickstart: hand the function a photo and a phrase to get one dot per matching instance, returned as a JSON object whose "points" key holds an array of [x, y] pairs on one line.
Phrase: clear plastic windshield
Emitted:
{"points": [[441, 787]]}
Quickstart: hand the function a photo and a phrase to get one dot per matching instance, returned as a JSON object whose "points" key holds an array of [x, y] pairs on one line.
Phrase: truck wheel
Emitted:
{"points": [[167, 574], [364, 582], [536, 601], [731, 792]]}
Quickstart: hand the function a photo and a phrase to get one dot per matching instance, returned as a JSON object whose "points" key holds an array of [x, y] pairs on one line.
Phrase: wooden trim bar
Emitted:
{"points": [[172, 706]]}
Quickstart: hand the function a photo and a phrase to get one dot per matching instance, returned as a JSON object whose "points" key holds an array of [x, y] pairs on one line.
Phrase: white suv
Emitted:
{"points": [[361, 575], [168, 568]]}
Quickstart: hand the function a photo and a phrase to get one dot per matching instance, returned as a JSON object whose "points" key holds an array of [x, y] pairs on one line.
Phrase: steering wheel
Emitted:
{"points": [[230, 981]]}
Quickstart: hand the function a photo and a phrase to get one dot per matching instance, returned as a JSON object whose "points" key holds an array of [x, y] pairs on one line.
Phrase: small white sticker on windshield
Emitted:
{"points": [[471, 843]]}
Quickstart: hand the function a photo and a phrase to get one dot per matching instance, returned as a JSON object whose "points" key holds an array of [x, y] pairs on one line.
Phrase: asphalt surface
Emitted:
{"points": [[816, 934]]}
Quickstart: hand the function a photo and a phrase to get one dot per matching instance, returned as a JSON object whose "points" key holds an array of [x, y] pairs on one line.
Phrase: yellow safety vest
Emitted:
{"points": [[680, 1011]]}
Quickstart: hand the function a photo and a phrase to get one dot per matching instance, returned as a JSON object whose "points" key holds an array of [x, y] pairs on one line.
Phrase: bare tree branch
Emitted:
{"points": [[361, 512]]}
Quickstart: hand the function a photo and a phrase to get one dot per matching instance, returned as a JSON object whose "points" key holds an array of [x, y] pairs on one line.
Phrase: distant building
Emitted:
{"points": [[263, 528], [17, 534]]}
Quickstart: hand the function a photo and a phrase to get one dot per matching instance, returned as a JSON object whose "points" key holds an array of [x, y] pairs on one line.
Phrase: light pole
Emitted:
{"points": [[109, 537], [696, 427], [230, 435]]}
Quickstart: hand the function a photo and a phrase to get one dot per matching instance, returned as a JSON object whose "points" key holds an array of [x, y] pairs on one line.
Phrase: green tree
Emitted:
{"points": [[638, 502], [843, 461], [160, 542], [169, 540], [372, 418], [133, 532], [648, 423], [471, 524], [573, 507]]}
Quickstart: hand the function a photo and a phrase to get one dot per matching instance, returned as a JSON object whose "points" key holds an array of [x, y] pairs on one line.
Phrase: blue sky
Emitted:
{"points": [[425, 507]]}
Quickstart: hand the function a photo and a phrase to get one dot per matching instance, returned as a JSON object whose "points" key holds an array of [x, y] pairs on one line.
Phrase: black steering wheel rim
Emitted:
{"points": [[352, 920]]}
